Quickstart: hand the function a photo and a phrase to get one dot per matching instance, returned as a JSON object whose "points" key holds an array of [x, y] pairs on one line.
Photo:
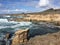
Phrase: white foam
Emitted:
{"points": [[3, 20], [17, 24], [1, 27], [25, 23], [21, 24], [13, 22], [8, 16]]}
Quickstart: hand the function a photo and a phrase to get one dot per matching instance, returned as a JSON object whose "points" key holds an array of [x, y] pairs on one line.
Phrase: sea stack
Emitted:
{"points": [[21, 37]]}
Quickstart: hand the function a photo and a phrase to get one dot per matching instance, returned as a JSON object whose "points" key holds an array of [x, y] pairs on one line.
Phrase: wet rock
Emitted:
{"points": [[7, 36], [8, 39]]}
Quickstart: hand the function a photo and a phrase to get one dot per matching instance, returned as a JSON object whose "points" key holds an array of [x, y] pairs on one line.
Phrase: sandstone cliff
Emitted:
{"points": [[20, 37], [49, 15]]}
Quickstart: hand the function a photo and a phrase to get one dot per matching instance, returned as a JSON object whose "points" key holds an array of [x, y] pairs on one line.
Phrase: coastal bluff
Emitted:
{"points": [[50, 15]]}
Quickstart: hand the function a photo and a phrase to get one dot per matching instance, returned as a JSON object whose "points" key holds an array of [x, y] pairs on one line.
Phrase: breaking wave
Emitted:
{"points": [[4, 23], [3, 20]]}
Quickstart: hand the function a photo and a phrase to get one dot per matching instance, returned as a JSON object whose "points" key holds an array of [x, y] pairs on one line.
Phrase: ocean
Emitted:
{"points": [[12, 26]]}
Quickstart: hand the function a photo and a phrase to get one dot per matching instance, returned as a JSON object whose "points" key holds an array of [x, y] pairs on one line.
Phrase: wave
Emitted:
{"points": [[3, 20], [22, 24], [13, 24], [7, 16]]}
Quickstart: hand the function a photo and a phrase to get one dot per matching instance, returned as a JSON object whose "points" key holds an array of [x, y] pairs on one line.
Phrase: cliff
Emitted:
{"points": [[50, 15]]}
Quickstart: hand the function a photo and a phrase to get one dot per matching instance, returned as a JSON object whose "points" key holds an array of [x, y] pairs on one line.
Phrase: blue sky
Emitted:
{"points": [[19, 6]]}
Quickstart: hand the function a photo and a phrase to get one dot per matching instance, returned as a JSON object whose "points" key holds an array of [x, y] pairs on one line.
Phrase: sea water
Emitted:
{"points": [[11, 26]]}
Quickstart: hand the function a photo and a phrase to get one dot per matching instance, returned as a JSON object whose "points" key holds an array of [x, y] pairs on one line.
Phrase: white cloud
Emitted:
{"points": [[14, 11], [43, 2], [22, 10], [56, 7], [49, 4]]}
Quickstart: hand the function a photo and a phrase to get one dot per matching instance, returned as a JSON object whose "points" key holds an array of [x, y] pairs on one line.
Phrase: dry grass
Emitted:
{"points": [[48, 39]]}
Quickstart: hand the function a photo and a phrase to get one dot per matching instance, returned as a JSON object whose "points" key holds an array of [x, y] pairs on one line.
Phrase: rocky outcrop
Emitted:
{"points": [[48, 39], [7, 36], [50, 15], [20, 37]]}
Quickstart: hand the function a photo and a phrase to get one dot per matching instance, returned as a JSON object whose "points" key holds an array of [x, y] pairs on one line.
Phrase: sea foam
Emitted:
{"points": [[4, 23], [3, 20]]}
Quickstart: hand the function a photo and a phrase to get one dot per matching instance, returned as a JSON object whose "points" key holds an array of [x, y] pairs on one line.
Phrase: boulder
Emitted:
{"points": [[20, 37]]}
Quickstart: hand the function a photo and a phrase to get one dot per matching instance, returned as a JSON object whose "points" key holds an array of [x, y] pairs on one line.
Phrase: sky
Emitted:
{"points": [[27, 6]]}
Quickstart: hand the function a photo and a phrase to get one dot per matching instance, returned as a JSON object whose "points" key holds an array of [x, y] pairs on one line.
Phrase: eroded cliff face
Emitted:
{"points": [[40, 17], [47, 17]]}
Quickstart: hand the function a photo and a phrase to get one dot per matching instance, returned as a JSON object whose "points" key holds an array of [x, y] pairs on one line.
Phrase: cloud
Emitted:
{"points": [[43, 2], [14, 11], [21, 10], [55, 4], [15, 6], [18, 4]]}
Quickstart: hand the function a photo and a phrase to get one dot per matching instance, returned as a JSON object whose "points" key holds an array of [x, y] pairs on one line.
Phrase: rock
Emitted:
{"points": [[8, 38], [20, 37]]}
